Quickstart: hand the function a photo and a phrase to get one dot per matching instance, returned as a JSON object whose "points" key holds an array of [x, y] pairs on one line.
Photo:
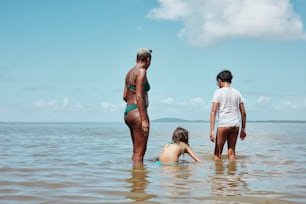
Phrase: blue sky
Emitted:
{"points": [[65, 60]]}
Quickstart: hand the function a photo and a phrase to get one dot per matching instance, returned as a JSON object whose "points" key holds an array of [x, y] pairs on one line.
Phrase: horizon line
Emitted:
{"points": [[160, 120]]}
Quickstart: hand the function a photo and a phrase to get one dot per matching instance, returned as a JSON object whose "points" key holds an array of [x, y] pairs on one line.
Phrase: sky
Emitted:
{"points": [[66, 60]]}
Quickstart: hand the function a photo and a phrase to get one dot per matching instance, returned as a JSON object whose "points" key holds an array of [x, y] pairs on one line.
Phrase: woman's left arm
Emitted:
{"points": [[140, 98]]}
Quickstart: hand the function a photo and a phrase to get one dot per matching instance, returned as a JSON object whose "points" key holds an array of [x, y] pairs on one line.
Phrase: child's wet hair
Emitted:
{"points": [[180, 135]]}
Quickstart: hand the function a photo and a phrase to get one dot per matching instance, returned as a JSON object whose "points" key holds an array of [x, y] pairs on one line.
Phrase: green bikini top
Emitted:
{"points": [[133, 87]]}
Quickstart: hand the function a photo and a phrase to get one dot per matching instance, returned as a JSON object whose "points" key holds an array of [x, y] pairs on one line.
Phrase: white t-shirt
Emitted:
{"points": [[229, 100]]}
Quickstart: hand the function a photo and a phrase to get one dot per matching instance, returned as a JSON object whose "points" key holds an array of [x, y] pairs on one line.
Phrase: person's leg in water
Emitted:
{"points": [[231, 142], [133, 120], [221, 138]]}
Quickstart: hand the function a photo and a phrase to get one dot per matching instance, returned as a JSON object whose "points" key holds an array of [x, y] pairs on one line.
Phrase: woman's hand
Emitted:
{"points": [[145, 128]]}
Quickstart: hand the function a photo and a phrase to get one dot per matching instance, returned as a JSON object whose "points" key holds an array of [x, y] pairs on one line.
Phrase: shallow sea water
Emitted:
{"points": [[67, 163]]}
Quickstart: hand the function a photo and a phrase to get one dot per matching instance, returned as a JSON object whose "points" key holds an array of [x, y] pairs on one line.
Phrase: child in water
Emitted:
{"points": [[179, 145]]}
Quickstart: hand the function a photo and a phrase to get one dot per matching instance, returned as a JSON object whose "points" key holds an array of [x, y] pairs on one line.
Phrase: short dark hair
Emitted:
{"points": [[180, 135], [225, 76]]}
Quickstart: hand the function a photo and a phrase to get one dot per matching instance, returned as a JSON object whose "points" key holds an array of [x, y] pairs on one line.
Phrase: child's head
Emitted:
{"points": [[180, 135], [225, 76]]}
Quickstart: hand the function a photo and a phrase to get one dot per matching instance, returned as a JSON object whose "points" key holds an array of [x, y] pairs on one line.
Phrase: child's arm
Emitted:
{"points": [[192, 154]]}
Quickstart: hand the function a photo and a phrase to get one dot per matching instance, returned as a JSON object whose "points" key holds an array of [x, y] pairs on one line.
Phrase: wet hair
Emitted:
{"points": [[180, 135], [143, 54], [225, 76]]}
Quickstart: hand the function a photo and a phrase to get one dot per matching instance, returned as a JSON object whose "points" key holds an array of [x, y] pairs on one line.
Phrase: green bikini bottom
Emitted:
{"points": [[165, 164], [130, 108]]}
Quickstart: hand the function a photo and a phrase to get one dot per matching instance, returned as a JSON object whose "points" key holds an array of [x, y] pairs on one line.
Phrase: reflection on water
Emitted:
{"points": [[90, 163], [179, 171], [138, 183], [176, 182], [227, 181]]}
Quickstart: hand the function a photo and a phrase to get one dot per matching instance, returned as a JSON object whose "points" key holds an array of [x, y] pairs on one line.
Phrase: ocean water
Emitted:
{"points": [[67, 163]]}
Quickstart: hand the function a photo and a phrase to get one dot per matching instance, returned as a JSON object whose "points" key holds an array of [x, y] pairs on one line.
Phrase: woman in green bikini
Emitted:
{"points": [[136, 96]]}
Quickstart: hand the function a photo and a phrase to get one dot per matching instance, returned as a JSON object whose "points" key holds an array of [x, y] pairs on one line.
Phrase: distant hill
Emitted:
{"points": [[174, 120]]}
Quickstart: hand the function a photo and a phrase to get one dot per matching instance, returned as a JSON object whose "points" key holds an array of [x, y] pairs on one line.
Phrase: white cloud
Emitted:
{"points": [[111, 107], [186, 108], [196, 101], [207, 22], [262, 99], [199, 103], [190, 104], [57, 105], [167, 101], [65, 102], [289, 104], [170, 10], [46, 103]]}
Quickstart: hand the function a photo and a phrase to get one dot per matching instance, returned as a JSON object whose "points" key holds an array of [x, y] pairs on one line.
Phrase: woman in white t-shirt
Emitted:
{"points": [[228, 103]]}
